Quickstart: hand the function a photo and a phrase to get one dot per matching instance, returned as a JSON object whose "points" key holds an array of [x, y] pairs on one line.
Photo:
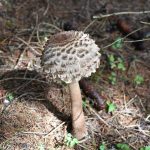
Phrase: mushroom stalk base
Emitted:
{"points": [[78, 119]]}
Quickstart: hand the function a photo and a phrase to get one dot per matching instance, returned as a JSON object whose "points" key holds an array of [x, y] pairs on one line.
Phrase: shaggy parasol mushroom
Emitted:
{"points": [[69, 56]]}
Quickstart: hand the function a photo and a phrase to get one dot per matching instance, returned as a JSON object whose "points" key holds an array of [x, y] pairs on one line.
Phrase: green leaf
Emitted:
{"points": [[113, 74], [112, 61], [110, 107], [84, 103], [111, 58], [119, 59], [74, 142], [145, 148], [121, 146], [112, 65], [138, 79], [102, 146], [121, 66], [118, 43], [68, 137], [70, 140], [113, 78], [41, 147], [10, 97]]}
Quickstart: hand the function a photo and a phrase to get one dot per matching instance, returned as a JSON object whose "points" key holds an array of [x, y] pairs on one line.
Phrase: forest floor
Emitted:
{"points": [[38, 116]]}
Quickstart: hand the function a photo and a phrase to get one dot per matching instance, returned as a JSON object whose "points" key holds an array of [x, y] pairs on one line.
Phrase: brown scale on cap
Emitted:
{"points": [[69, 56], [73, 49]]}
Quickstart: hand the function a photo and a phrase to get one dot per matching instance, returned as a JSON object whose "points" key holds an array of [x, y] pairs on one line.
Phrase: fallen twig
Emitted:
{"points": [[124, 37], [53, 130], [146, 23], [31, 48], [99, 117], [44, 133], [120, 13]]}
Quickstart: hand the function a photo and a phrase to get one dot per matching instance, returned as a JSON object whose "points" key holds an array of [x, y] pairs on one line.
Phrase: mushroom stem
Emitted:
{"points": [[78, 119]]}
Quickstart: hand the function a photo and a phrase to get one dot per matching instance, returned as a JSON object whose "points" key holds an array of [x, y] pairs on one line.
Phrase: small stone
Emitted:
{"points": [[6, 102]]}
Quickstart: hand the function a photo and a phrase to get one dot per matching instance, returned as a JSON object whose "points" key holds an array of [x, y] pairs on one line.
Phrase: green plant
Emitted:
{"points": [[138, 79], [113, 78], [41, 146], [145, 148], [102, 146], [110, 107], [8, 100], [116, 62], [70, 140], [122, 146], [9, 97], [84, 103], [120, 64], [118, 43], [111, 60]]}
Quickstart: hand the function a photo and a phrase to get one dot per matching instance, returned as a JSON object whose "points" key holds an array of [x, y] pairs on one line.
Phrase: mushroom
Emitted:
{"points": [[69, 56]]}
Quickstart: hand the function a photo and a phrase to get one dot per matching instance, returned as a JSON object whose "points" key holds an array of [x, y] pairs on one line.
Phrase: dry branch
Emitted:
{"points": [[120, 13]]}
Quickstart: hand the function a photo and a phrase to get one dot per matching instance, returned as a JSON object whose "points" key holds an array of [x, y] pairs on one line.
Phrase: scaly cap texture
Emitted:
{"points": [[70, 55]]}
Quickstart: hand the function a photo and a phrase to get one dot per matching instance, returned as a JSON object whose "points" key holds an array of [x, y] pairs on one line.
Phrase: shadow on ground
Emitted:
{"points": [[31, 86]]}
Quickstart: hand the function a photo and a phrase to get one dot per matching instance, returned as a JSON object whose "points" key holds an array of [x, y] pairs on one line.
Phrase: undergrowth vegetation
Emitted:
{"points": [[35, 112]]}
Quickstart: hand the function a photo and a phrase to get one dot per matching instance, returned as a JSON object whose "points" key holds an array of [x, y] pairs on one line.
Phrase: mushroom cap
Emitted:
{"points": [[70, 55]]}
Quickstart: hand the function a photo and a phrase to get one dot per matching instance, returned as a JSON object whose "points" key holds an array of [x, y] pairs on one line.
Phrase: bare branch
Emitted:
{"points": [[120, 13]]}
